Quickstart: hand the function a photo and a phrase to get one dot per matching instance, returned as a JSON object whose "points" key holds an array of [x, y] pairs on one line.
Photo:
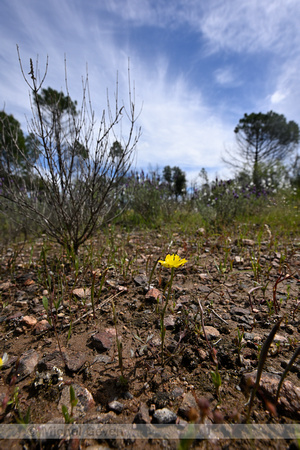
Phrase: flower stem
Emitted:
{"points": [[162, 325]]}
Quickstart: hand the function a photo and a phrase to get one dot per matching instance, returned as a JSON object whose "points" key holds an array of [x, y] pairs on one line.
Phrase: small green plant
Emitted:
{"points": [[92, 294], [270, 305], [31, 256], [239, 342], [256, 267], [152, 270], [69, 419], [46, 306], [122, 379], [221, 268], [217, 381], [288, 292]]}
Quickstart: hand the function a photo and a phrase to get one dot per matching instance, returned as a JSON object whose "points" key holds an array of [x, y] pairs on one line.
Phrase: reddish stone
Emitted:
{"points": [[102, 341], [154, 294], [42, 326]]}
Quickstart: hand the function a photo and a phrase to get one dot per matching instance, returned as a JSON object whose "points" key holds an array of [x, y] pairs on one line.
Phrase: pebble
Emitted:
{"points": [[280, 339], [27, 364], [239, 311], [50, 360], [154, 294], [102, 341], [238, 261], [141, 280], [248, 242], [188, 402], [74, 360], [102, 359], [82, 293], [177, 392], [211, 332], [116, 406], [85, 400], [142, 415], [164, 416], [29, 321], [169, 322], [42, 326], [289, 397]]}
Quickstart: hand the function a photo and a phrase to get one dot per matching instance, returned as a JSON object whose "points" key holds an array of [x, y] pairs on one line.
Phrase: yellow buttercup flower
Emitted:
{"points": [[173, 261], [3, 360]]}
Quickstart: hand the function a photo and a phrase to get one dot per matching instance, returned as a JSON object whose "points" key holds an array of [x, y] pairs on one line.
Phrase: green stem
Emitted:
{"points": [[163, 331]]}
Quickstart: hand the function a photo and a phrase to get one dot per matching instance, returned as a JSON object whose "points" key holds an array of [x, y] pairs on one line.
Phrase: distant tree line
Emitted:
{"points": [[70, 178]]}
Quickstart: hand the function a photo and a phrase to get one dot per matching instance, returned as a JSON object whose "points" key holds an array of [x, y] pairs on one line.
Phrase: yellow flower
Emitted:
{"points": [[173, 261], [3, 360]]}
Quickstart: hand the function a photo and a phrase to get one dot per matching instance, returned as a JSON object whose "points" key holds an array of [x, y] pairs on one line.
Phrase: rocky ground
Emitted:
{"points": [[54, 337]]}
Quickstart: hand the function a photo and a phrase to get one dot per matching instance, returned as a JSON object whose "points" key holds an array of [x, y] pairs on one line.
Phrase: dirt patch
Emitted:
{"points": [[55, 337]]}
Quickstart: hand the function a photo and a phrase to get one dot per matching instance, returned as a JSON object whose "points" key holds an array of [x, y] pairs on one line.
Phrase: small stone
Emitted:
{"points": [[42, 326], [211, 332], [29, 321], [102, 341], [85, 400], [127, 395], [248, 242], [164, 415], [161, 399], [142, 415], [187, 404], [82, 293], [203, 289], [102, 359], [240, 311], [141, 280], [202, 354], [111, 331], [169, 322], [203, 276], [51, 360], [116, 406], [74, 361], [177, 392], [27, 364], [295, 367], [252, 337], [154, 294], [290, 329], [289, 397], [280, 339], [6, 285], [238, 261]]}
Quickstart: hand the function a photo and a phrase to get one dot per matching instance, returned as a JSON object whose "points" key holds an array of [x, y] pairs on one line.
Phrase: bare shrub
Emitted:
{"points": [[72, 184]]}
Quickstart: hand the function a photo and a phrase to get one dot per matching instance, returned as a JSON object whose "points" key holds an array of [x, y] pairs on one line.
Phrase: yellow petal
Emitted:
{"points": [[172, 261]]}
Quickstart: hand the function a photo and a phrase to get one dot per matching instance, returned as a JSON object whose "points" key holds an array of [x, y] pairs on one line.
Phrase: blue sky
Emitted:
{"points": [[197, 66]]}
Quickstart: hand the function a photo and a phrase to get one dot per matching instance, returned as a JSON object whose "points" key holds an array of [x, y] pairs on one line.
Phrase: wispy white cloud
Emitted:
{"points": [[285, 95], [227, 76], [234, 25], [182, 124], [251, 26]]}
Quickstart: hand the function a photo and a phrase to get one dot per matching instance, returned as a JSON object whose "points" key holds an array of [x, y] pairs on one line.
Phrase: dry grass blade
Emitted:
{"points": [[287, 369], [261, 363]]}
